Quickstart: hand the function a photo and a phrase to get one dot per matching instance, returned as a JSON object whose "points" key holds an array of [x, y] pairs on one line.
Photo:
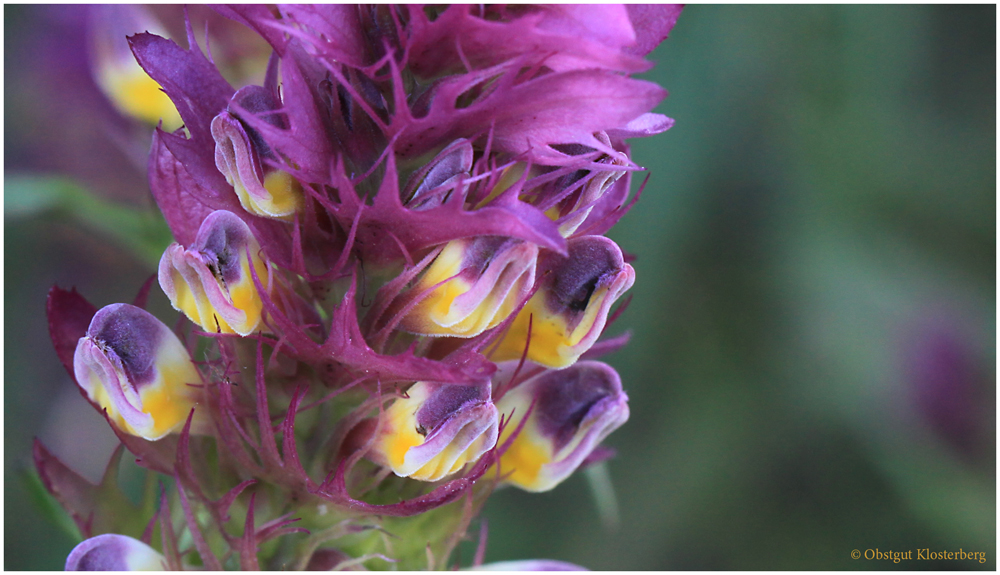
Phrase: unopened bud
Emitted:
{"points": [[575, 208]]}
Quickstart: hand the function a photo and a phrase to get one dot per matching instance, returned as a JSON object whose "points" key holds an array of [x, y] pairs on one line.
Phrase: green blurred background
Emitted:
{"points": [[812, 369]]}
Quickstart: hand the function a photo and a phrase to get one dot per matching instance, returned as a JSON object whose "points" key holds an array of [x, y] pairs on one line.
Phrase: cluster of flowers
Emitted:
{"points": [[392, 258]]}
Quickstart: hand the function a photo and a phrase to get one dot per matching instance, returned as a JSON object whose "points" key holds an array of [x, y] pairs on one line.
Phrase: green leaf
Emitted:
{"points": [[48, 505], [144, 232]]}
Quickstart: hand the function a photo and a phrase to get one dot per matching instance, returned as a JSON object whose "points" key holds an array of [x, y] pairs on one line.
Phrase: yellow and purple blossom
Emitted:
{"points": [[569, 412], [567, 314], [211, 282], [113, 552], [472, 285], [135, 368], [435, 430], [240, 153]]}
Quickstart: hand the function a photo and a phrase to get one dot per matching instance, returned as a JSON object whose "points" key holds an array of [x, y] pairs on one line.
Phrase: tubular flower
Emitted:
{"points": [[473, 285], [569, 412], [211, 281], [568, 313], [113, 552], [436, 430], [126, 84], [411, 196], [133, 366], [262, 190]]}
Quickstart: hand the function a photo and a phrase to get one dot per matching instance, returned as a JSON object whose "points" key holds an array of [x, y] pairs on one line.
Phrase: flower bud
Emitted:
{"points": [[436, 429], [568, 312], [571, 411], [210, 282], [117, 73], [262, 190], [113, 552], [429, 186], [473, 285], [577, 205], [132, 365]]}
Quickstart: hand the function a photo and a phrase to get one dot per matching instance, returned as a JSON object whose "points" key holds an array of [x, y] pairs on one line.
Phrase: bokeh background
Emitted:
{"points": [[813, 362]]}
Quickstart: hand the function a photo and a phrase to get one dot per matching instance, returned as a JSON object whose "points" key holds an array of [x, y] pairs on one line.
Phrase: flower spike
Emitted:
{"points": [[262, 190], [211, 282], [474, 284], [569, 412], [410, 195], [132, 365], [436, 429], [568, 313], [113, 552]]}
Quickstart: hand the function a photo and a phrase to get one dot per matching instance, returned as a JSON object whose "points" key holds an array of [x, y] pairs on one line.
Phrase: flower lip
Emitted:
{"points": [[592, 264], [129, 337], [448, 401], [530, 565], [220, 244], [564, 409]]}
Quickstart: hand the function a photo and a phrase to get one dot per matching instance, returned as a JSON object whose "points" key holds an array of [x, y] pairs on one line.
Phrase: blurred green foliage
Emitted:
{"points": [[143, 231], [829, 187], [825, 204]]}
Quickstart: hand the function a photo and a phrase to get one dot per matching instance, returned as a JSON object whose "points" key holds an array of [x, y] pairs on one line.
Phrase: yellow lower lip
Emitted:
{"points": [[552, 343], [522, 463]]}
